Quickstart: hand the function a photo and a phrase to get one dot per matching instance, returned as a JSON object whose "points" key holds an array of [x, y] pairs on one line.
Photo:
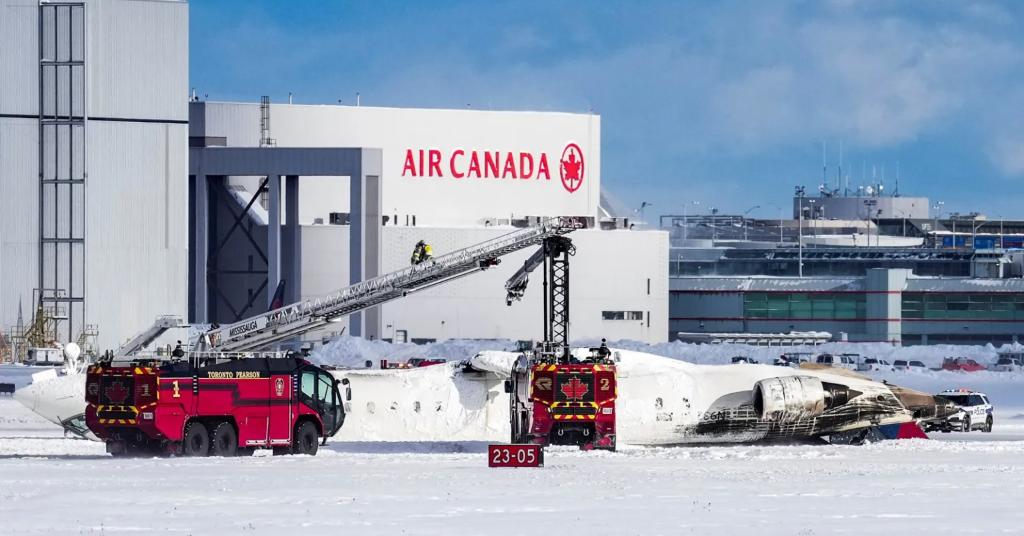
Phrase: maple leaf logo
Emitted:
{"points": [[116, 393], [571, 167], [574, 389]]}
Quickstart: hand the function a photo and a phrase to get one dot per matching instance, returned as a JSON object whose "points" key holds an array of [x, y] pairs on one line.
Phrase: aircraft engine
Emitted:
{"points": [[790, 398]]}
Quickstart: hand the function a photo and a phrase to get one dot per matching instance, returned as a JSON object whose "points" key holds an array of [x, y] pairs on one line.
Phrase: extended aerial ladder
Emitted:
{"points": [[264, 330]]}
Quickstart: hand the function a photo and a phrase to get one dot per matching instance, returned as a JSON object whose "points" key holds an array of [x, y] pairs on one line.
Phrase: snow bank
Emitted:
{"points": [[491, 361], [347, 351]]}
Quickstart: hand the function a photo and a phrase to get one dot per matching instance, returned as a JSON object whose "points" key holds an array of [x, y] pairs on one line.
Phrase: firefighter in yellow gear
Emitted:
{"points": [[422, 252]]}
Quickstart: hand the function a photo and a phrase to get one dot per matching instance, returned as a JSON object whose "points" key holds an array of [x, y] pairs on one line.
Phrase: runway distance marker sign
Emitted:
{"points": [[515, 456]]}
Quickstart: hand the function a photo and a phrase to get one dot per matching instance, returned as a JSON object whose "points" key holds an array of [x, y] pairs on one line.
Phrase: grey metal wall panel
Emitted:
{"points": [[19, 209], [136, 226], [19, 57], [197, 119], [138, 59], [239, 123]]}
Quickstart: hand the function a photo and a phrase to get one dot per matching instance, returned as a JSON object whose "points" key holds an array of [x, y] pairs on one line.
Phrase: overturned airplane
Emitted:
{"points": [[661, 401]]}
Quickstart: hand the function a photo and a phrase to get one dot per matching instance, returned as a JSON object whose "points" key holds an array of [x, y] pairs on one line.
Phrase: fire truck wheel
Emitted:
{"points": [[225, 440], [196, 441], [306, 439]]}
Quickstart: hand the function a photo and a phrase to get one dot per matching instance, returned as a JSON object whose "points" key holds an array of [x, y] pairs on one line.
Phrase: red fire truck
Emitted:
{"points": [[219, 404], [556, 396], [564, 402]]}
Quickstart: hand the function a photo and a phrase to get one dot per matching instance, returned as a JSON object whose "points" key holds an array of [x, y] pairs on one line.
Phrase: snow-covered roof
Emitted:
{"points": [[963, 284], [766, 284]]}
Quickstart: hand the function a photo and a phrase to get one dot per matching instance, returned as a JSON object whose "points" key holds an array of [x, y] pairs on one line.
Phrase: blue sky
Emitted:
{"points": [[726, 103]]}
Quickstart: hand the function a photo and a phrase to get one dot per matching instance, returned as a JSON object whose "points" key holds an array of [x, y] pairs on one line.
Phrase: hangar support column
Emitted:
{"points": [[292, 245], [199, 248], [273, 235], [365, 237]]}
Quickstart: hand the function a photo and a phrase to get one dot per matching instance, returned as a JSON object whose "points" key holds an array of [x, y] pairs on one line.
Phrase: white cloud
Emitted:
{"points": [[1008, 154], [733, 79]]}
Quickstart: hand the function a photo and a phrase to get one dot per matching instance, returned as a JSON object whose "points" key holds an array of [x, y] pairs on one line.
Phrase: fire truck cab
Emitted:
{"points": [[220, 405]]}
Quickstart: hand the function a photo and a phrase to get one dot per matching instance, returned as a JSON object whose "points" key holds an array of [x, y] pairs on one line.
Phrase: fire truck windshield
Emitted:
{"points": [[319, 390]]}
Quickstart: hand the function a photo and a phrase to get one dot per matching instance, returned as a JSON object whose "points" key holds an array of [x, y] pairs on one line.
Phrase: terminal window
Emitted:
{"points": [[963, 306], [622, 315], [805, 305]]}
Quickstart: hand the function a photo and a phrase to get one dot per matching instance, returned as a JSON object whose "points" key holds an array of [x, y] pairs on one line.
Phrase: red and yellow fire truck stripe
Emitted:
{"points": [[137, 371], [555, 405]]}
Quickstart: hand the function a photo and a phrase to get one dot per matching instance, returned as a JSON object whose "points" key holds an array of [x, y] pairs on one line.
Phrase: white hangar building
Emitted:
{"points": [[453, 178], [93, 166], [112, 211]]}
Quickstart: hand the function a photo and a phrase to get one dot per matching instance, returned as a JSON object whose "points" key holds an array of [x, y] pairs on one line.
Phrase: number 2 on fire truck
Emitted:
{"points": [[605, 384]]}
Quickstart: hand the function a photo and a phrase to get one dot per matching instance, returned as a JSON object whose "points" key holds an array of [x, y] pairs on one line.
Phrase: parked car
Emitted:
{"points": [[1007, 364], [793, 359], [961, 363], [872, 364], [846, 361], [744, 359], [903, 364]]}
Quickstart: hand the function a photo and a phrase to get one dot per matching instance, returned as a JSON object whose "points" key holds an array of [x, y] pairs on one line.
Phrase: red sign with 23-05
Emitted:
{"points": [[515, 456]]}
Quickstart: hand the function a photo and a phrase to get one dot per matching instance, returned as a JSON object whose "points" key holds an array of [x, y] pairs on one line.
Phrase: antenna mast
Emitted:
{"points": [[824, 167], [840, 175], [896, 192]]}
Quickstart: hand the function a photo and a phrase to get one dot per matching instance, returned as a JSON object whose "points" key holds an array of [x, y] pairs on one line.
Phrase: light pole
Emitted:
{"points": [[745, 221], [800, 230], [685, 223], [780, 221], [870, 203], [974, 231], [937, 208], [954, 216], [1000, 230], [904, 214], [642, 205], [714, 228]]}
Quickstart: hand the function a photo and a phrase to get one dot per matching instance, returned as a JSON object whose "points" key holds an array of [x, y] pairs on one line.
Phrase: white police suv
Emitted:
{"points": [[975, 412]]}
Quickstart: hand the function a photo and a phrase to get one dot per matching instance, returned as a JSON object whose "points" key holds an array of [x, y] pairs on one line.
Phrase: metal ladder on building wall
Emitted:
{"points": [[261, 331]]}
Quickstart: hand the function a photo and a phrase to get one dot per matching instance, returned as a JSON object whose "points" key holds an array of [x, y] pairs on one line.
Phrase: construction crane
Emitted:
{"points": [[264, 330]]}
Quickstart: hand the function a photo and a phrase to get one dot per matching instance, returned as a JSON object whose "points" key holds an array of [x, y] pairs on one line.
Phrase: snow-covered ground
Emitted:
{"points": [[53, 485]]}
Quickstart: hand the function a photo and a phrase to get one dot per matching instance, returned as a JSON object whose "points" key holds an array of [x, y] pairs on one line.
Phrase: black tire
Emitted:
{"points": [[225, 440], [245, 451], [988, 425], [196, 441], [307, 441], [967, 425]]}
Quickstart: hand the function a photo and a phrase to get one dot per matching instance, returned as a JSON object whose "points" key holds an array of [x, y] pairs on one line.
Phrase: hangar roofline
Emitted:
{"points": [[402, 108]]}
